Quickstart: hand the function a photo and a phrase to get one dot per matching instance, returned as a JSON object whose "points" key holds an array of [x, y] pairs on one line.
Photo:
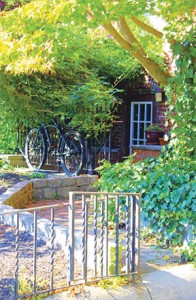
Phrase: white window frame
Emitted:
{"points": [[132, 121]]}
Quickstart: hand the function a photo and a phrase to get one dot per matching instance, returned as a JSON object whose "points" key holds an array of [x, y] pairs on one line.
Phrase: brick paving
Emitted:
{"points": [[60, 213]]}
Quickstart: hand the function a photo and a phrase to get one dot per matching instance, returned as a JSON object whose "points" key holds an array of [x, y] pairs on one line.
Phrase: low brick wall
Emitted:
{"points": [[60, 187], [25, 192], [143, 152], [19, 195]]}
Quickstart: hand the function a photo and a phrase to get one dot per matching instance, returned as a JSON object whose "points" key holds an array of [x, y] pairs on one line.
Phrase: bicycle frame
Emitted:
{"points": [[44, 129], [50, 143]]}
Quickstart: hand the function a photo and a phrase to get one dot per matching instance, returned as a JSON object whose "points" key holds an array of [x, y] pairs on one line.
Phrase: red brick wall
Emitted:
{"points": [[161, 110], [117, 135], [141, 154]]}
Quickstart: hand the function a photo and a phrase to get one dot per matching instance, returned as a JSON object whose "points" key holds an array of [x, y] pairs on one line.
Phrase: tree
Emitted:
{"points": [[36, 30], [80, 88], [33, 40]]}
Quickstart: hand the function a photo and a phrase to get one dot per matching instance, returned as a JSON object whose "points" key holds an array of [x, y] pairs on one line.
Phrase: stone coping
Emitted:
{"points": [[147, 147], [24, 192]]}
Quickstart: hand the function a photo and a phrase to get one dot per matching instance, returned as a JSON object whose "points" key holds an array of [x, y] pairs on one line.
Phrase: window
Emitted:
{"points": [[141, 117]]}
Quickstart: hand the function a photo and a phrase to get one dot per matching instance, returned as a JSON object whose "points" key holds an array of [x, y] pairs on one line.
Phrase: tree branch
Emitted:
{"points": [[153, 69], [146, 27], [129, 36], [114, 33], [150, 29]]}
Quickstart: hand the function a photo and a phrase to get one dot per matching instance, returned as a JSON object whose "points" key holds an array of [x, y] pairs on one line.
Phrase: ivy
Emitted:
{"points": [[168, 192], [181, 93]]}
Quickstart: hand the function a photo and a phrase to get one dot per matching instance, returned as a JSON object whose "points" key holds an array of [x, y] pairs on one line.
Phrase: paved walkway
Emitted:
{"points": [[175, 283]]}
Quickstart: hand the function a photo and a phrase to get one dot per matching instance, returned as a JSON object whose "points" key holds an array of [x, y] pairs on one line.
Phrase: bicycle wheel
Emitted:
{"points": [[73, 153], [35, 149]]}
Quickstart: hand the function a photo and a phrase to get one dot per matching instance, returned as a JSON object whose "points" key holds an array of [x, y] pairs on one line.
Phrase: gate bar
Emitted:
{"points": [[16, 257], [35, 253], [117, 235], [71, 239]]}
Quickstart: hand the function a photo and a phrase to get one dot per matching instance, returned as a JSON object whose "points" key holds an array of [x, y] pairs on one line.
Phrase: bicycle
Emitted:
{"points": [[49, 141]]}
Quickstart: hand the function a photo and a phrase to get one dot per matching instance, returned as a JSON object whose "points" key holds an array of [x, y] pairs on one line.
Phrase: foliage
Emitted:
{"points": [[114, 282], [25, 288], [80, 91], [90, 107], [43, 97], [168, 193], [33, 175], [47, 36], [117, 178], [8, 136], [44, 32], [188, 254], [112, 265], [11, 4], [153, 127], [182, 89], [4, 164]]}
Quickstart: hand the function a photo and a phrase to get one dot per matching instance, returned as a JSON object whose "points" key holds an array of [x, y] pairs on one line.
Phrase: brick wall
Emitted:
{"points": [[19, 195], [117, 135], [141, 154], [161, 110], [60, 187], [24, 192]]}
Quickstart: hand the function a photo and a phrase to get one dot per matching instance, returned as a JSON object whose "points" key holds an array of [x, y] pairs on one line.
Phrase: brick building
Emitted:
{"points": [[143, 104]]}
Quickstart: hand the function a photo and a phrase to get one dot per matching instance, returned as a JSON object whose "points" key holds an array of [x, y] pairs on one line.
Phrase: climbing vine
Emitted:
{"points": [[181, 92]]}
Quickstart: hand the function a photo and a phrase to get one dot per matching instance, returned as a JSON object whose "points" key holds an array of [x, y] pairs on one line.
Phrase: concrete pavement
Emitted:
{"points": [[173, 283]]}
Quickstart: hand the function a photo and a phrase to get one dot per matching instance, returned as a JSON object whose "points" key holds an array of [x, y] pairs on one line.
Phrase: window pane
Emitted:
{"points": [[135, 131], [140, 118], [142, 112], [147, 124], [135, 113], [141, 136], [148, 113]]}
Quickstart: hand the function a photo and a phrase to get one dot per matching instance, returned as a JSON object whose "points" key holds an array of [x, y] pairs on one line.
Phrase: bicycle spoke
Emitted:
{"points": [[73, 154], [35, 149]]}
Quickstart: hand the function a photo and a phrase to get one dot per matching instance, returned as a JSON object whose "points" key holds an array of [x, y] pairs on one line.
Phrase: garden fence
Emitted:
{"points": [[101, 240]]}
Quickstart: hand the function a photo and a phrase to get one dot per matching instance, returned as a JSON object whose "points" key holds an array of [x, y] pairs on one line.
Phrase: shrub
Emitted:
{"points": [[4, 164], [168, 190]]}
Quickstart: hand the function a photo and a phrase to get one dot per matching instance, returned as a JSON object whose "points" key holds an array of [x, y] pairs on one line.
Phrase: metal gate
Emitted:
{"points": [[103, 241], [107, 248]]}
